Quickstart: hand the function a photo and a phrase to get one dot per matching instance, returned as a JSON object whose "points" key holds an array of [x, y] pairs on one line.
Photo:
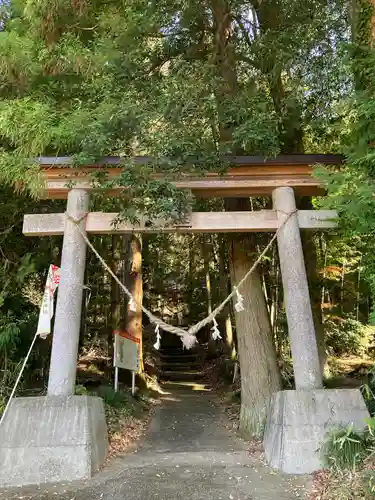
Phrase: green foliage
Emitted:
{"points": [[2, 404], [154, 199], [163, 79], [368, 394], [346, 449], [345, 336], [9, 332], [80, 390], [23, 266], [114, 399], [349, 456], [351, 188], [8, 377], [120, 401]]}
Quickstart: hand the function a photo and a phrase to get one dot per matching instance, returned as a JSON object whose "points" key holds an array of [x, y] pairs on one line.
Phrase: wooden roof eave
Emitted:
{"points": [[247, 178]]}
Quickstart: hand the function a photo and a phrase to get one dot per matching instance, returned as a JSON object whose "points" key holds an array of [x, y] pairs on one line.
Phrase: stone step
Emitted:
{"points": [[181, 375], [180, 367], [178, 353], [195, 365], [188, 387], [178, 349], [178, 358]]}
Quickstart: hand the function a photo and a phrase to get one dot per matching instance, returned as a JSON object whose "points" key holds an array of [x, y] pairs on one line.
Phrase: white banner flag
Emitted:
{"points": [[46, 310]]}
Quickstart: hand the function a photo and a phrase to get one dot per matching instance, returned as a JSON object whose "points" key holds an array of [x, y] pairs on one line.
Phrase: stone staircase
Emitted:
{"points": [[180, 366]]}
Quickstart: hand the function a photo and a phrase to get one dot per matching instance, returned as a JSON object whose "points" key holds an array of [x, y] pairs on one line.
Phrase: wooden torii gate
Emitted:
{"points": [[280, 177]]}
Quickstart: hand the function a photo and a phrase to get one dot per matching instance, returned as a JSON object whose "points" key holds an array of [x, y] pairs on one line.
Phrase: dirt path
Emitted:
{"points": [[188, 453]]}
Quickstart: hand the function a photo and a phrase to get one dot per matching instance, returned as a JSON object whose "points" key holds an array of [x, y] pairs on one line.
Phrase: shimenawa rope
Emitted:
{"points": [[188, 337]]}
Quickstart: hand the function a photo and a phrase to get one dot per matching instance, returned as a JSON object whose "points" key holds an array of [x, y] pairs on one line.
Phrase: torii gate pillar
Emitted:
{"points": [[62, 373], [298, 420], [307, 371]]}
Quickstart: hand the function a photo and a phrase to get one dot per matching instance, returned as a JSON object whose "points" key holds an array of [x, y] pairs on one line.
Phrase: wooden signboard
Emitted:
{"points": [[127, 351]]}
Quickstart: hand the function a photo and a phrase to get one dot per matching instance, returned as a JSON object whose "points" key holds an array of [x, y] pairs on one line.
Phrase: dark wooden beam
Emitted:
{"points": [[250, 176]]}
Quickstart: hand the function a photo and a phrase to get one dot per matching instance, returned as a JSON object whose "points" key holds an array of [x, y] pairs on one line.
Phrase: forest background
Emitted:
{"points": [[190, 81]]}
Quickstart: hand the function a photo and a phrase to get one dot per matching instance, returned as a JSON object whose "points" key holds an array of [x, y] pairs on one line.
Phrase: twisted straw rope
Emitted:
{"points": [[188, 336]]}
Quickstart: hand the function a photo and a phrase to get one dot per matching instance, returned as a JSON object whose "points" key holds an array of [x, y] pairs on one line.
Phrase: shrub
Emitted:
{"points": [[113, 398], [346, 336], [349, 455], [368, 391], [2, 404], [81, 390], [345, 449]]}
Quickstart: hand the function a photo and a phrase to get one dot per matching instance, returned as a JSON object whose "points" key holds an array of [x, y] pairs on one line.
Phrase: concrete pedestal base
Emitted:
{"points": [[298, 423], [52, 439]]}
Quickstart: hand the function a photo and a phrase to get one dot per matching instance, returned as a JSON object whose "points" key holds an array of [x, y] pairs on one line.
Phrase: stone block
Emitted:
{"points": [[52, 439], [298, 423]]}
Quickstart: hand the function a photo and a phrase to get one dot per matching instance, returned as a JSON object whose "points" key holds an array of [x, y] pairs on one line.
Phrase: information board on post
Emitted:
{"points": [[127, 351]]}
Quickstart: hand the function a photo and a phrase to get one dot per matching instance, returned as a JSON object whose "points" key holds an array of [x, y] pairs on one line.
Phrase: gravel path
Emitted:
{"points": [[188, 454]]}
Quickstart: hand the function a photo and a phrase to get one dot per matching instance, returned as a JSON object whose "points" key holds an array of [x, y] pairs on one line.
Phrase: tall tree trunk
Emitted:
{"points": [[358, 298], [134, 283], [291, 141], [191, 278], [276, 299], [270, 16], [206, 252], [117, 268], [260, 373], [315, 287], [225, 62], [224, 284], [342, 291]]}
